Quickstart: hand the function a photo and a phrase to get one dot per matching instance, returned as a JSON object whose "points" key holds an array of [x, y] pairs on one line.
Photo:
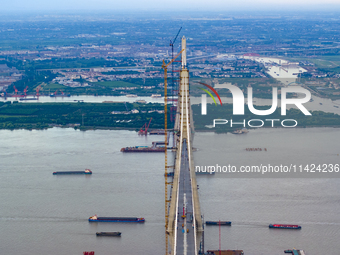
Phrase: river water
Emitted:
{"points": [[45, 214]]}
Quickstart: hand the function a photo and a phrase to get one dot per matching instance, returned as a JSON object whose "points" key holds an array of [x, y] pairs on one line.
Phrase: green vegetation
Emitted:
{"points": [[100, 116], [112, 84], [325, 63], [82, 115], [54, 86], [318, 118]]}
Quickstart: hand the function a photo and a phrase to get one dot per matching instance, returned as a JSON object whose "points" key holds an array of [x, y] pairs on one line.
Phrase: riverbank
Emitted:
{"points": [[80, 115], [132, 116]]}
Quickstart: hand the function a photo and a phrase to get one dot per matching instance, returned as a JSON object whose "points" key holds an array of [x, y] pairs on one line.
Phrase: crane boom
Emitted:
{"points": [[25, 90], [173, 42], [146, 129], [172, 60]]}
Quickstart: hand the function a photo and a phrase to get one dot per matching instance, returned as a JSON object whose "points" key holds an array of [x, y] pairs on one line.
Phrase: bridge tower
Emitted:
{"points": [[185, 227]]}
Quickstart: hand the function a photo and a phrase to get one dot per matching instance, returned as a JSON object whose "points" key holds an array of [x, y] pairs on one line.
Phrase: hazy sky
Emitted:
{"points": [[149, 5]]}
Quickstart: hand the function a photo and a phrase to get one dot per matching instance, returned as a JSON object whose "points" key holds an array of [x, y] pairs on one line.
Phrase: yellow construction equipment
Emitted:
{"points": [[165, 67]]}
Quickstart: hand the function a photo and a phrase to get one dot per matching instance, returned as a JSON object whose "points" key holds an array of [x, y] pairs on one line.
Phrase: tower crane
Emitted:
{"points": [[173, 90], [165, 67]]}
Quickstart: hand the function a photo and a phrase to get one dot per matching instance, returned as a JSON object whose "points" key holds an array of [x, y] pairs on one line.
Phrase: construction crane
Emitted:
{"points": [[173, 90], [25, 90], [15, 89], [126, 107], [37, 90], [165, 67], [172, 42], [144, 129]]}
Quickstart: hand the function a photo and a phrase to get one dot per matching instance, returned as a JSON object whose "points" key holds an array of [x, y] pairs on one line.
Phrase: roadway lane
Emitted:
{"points": [[185, 239]]}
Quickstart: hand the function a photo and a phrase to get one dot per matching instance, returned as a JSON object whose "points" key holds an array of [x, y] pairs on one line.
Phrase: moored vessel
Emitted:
{"points": [[28, 98], [284, 226], [115, 219], [87, 171], [108, 233], [226, 223], [143, 149]]}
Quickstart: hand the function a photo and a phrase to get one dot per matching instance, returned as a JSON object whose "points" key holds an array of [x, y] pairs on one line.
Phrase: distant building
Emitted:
{"points": [[251, 55], [141, 101]]}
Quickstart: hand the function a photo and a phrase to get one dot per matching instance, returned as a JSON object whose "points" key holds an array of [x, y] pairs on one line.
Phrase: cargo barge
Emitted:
{"points": [[157, 132], [284, 226], [108, 234], [143, 149], [225, 223], [116, 219], [295, 252], [28, 98], [87, 171]]}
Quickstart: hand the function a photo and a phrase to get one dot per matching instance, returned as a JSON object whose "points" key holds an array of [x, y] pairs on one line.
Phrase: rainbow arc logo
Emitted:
{"points": [[208, 92], [204, 98]]}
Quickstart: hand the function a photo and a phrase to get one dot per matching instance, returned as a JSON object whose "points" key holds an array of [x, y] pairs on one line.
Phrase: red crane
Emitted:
{"points": [[15, 89], [25, 90], [144, 129], [37, 90]]}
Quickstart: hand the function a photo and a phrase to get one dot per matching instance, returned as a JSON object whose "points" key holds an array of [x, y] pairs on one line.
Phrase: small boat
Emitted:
{"points": [[284, 226], [223, 223], [116, 219], [240, 131], [108, 234], [87, 171], [208, 171]]}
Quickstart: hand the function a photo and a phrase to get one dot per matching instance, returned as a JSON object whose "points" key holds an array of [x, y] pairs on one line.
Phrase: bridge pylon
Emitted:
{"points": [[185, 226]]}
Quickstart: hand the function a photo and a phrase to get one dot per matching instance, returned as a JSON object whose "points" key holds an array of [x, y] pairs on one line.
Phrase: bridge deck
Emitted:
{"points": [[185, 240]]}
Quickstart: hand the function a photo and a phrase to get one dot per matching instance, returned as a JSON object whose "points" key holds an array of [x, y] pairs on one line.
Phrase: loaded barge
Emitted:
{"points": [[108, 234], [143, 149], [284, 226], [225, 223], [295, 252], [116, 219], [87, 171]]}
